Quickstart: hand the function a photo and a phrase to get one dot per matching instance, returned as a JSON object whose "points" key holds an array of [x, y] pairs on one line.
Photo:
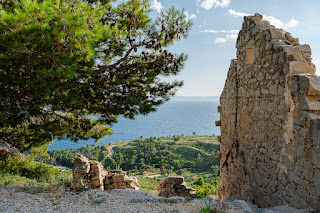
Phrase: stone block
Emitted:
{"points": [[277, 33], [299, 67], [81, 164], [174, 186], [308, 171], [118, 178], [289, 37], [294, 52]]}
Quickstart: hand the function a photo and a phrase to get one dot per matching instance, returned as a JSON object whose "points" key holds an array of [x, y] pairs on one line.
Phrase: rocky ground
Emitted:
{"points": [[35, 199]]}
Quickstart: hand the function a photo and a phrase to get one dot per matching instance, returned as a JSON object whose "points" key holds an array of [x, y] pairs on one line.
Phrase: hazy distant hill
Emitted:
{"points": [[195, 98]]}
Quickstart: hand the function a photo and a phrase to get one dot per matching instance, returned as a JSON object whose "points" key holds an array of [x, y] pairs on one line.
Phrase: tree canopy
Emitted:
{"points": [[63, 61]]}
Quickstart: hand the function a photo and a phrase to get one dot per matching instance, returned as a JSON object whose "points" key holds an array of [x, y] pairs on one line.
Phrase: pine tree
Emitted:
{"points": [[70, 68]]}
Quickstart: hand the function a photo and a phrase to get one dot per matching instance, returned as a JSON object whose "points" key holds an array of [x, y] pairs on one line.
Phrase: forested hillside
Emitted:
{"points": [[195, 153]]}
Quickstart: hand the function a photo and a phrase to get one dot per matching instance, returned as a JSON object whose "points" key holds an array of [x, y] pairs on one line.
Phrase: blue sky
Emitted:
{"points": [[211, 43]]}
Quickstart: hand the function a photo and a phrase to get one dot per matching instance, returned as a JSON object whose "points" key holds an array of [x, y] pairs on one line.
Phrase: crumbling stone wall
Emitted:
{"points": [[175, 186], [91, 174], [270, 120]]}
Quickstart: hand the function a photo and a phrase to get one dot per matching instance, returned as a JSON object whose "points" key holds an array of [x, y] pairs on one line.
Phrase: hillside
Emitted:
{"points": [[195, 153]]}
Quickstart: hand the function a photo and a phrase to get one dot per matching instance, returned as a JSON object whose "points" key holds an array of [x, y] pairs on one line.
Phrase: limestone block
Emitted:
{"points": [[289, 37], [97, 182], [174, 186], [81, 164], [315, 129], [79, 180], [277, 33], [299, 67], [305, 48], [275, 43], [293, 51], [308, 171], [118, 178], [176, 180], [314, 86]]}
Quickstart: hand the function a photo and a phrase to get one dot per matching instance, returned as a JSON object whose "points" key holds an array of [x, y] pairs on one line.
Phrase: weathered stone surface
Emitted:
{"points": [[270, 111], [96, 177], [81, 164], [299, 67], [174, 186], [118, 178]]}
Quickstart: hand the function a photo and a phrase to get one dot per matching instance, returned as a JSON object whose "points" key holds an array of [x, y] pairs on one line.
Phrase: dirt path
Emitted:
{"points": [[110, 151]]}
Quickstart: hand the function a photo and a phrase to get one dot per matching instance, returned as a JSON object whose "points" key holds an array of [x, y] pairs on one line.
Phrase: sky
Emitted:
{"points": [[211, 42]]}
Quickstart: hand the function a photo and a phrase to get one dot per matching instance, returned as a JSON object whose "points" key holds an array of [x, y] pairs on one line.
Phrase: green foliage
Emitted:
{"points": [[199, 181], [24, 171], [207, 189], [149, 184], [70, 68], [195, 153]]}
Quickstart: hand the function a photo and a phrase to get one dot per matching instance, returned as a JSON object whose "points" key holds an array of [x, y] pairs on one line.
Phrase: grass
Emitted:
{"points": [[63, 180], [149, 185], [16, 180]]}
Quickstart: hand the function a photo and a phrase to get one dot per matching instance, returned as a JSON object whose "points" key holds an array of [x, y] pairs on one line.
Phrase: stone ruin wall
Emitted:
{"points": [[90, 174], [270, 120]]}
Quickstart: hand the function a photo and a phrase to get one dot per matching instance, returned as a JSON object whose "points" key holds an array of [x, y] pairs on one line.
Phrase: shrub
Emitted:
{"points": [[199, 181]]}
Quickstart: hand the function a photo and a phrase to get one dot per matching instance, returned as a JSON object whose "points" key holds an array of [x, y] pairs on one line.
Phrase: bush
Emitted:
{"points": [[199, 181], [207, 189]]}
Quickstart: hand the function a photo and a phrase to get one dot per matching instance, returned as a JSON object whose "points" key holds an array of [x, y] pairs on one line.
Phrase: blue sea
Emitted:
{"points": [[181, 115]]}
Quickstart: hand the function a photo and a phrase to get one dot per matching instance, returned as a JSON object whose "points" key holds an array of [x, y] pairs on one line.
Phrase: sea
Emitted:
{"points": [[181, 115]]}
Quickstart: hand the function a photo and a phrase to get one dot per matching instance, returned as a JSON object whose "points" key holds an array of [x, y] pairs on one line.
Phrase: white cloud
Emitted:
{"points": [[220, 40], [208, 4], [274, 21], [190, 16], [156, 6], [232, 37], [292, 23], [235, 13], [279, 24], [229, 37], [220, 31]]}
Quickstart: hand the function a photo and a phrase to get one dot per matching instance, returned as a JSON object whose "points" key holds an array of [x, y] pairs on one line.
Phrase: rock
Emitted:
{"points": [[91, 174], [277, 33], [174, 186], [242, 206], [118, 178], [175, 180], [299, 67], [81, 164]]}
